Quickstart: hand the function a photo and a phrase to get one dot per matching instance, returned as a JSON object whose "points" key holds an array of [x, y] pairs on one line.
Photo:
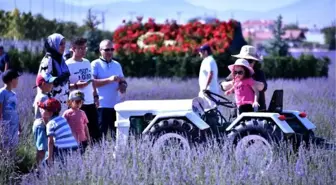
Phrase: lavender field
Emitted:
{"points": [[209, 164]]}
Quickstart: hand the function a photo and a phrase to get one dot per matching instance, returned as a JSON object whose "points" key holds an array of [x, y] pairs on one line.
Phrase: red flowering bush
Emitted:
{"points": [[171, 37], [163, 49], [154, 39]]}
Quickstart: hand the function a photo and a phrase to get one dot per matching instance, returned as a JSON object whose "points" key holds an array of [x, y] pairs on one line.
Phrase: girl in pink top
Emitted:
{"points": [[244, 87], [77, 119]]}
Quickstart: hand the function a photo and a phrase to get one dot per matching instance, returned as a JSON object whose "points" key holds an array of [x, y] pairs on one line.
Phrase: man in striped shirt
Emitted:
{"points": [[60, 138]]}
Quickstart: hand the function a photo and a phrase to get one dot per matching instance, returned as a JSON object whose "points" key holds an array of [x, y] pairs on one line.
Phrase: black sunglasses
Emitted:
{"points": [[108, 49], [238, 72], [250, 61]]}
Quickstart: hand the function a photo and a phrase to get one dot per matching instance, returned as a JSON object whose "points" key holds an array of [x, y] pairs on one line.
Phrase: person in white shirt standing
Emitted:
{"points": [[81, 78], [208, 75]]}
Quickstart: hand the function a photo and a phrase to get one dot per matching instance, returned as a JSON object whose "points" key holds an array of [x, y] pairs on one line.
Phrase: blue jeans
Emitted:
{"points": [[106, 119], [62, 153]]}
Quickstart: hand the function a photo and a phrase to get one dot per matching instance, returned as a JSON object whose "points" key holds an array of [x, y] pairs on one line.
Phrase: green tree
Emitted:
{"points": [[35, 27], [15, 28], [329, 36], [31, 29], [91, 21], [92, 34], [278, 46], [4, 21], [70, 30], [291, 27]]}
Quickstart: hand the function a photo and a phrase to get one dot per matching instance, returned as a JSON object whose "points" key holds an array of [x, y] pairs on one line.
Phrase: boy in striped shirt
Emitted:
{"points": [[61, 141]]}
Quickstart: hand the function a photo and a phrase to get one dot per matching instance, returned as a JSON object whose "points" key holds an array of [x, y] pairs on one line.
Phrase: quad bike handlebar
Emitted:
{"points": [[222, 100]]}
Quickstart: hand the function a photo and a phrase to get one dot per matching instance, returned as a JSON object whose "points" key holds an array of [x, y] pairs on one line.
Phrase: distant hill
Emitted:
{"points": [[310, 12], [320, 12]]}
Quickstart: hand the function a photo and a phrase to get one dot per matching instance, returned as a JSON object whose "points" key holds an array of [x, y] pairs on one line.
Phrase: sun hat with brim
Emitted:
{"points": [[76, 95], [50, 104], [248, 52], [241, 62], [44, 78]]}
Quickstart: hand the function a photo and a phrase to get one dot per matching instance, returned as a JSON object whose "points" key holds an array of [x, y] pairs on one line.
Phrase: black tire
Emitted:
{"points": [[174, 129], [177, 125], [250, 133], [260, 127]]}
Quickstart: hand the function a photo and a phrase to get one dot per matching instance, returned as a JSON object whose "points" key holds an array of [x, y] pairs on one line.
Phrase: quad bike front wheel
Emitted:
{"points": [[173, 138], [171, 145]]}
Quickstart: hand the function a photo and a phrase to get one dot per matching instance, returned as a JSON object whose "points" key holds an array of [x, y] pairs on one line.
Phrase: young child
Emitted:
{"points": [[77, 119], [44, 83], [60, 139], [9, 117], [244, 87]]}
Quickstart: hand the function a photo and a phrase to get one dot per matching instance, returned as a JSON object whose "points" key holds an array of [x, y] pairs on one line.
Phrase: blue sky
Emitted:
{"points": [[263, 5]]}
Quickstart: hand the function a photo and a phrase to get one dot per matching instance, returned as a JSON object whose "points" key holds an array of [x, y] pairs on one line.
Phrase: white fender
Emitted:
{"points": [[194, 119]]}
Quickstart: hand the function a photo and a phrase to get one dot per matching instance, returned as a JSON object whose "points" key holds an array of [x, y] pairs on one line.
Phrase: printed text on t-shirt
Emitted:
{"points": [[84, 74]]}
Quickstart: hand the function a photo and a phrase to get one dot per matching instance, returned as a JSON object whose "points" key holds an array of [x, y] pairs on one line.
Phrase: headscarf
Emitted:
{"points": [[52, 46], [54, 40]]}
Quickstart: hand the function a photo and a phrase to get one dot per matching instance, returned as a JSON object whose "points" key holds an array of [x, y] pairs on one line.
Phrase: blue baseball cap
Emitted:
{"points": [[205, 47], [44, 78]]}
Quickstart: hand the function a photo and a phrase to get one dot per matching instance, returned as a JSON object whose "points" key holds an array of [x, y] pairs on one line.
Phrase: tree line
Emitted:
{"points": [[21, 25]]}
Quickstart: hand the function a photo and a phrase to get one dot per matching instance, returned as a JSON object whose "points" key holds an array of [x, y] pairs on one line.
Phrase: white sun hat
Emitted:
{"points": [[248, 52], [241, 62]]}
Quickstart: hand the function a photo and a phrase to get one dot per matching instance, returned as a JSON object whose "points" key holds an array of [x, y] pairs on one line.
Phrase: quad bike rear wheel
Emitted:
{"points": [[253, 142]]}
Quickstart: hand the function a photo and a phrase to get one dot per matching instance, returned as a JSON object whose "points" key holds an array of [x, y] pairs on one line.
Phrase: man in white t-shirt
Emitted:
{"points": [[81, 78], [208, 75]]}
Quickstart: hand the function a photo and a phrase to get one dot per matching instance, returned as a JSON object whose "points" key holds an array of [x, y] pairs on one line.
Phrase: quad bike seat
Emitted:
{"points": [[276, 103]]}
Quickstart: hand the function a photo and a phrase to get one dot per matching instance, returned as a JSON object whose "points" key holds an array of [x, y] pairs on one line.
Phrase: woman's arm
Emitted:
{"points": [[259, 85], [260, 78], [256, 93]]}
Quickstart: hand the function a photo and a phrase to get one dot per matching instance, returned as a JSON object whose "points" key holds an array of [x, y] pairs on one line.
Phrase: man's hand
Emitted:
{"points": [[96, 101], [82, 84], [122, 89], [114, 78], [122, 86]]}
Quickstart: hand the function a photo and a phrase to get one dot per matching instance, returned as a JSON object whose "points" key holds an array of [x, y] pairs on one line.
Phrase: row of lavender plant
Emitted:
{"points": [[207, 164]]}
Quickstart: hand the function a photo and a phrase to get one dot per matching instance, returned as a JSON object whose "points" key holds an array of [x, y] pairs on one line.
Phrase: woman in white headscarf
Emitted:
{"points": [[53, 63]]}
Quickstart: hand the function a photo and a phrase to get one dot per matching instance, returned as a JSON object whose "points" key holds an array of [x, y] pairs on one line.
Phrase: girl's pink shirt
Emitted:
{"points": [[243, 91], [77, 121]]}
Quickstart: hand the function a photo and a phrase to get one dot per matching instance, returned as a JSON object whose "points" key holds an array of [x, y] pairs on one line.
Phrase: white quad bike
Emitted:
{"points": [[191, 121]]}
